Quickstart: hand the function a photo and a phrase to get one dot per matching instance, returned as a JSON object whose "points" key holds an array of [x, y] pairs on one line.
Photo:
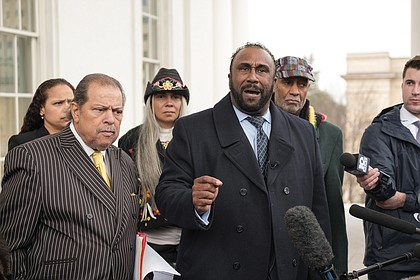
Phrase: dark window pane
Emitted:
{"points": [[7, 129], [149, 72], [146, 6], [28, 15], [153, 7], [7, 65], [153, 39], [10, 14], [24, 62], [23, 105], [146, 36]]}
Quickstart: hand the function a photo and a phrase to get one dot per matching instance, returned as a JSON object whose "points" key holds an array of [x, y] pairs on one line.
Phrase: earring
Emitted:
{"points": [[42, 116]]}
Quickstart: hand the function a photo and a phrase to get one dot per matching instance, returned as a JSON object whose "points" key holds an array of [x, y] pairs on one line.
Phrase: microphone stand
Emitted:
{"points": [[377, 266]]}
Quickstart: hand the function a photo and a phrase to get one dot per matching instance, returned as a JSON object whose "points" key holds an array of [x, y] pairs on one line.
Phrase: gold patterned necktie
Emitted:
{"points": [[98, 160]]}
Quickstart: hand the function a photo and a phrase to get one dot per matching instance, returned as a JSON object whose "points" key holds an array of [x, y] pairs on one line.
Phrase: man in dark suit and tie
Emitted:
{"points": [[62, 216], [229, 193]]}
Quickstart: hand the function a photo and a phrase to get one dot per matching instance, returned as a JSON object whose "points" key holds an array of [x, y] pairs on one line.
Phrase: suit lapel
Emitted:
{"points": [[280, 148], [82, 167], [235, 143], [114, 156]]}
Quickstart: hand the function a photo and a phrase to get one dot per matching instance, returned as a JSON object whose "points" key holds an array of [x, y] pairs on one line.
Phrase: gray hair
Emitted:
{"points": [[148, 163]]}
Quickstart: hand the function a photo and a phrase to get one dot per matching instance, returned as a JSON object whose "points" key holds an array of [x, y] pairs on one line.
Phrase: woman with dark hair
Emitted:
{"points": [[47, 113]]}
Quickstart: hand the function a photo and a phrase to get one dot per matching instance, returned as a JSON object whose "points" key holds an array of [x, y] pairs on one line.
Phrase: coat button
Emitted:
{"points": [[286, 190], [243, 191], [89, 216], [294, 262], [236, 265], [239, 229]]}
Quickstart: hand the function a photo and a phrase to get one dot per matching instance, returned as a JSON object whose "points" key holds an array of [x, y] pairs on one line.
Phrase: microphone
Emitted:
{"points": [[310, 241], [378, 266], [383, 219], [358, 164]]}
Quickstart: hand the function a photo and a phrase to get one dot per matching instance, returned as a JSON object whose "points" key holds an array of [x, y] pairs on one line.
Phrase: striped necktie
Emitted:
{"points": [[262, 141], [98, 160], [417, 123]]}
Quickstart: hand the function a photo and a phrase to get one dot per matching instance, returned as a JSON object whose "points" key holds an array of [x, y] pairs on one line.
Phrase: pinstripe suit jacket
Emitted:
{"points": [[59, 217]]}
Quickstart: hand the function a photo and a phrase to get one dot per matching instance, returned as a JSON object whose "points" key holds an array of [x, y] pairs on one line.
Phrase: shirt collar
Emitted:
{"points": [[406, 117], [88, 150], [242, 116]]}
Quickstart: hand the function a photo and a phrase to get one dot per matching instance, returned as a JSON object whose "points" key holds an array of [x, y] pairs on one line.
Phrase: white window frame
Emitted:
{"points": [[33, 36]]}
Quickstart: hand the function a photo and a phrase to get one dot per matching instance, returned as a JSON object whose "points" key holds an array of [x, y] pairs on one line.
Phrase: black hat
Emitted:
{"points": [[167, 80]]}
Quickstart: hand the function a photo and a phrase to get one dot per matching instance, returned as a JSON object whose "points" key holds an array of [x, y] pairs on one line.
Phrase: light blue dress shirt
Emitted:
{"points": [[251, 133]]}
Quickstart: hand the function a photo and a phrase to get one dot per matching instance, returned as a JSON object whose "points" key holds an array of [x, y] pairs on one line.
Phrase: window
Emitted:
{"points": [[18, 36], [150, 40]]}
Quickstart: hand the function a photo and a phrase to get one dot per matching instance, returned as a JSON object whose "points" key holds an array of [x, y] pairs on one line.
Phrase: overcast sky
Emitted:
{"points": [[329, 29]]}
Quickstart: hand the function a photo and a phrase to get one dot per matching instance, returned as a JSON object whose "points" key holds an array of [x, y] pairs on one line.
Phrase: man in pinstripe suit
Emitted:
{"points": [[57, 213]]}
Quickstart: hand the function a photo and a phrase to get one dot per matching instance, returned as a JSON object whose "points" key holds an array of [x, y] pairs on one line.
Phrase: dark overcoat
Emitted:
{"points": [[247, 218], [21, 138], [330, 139]]}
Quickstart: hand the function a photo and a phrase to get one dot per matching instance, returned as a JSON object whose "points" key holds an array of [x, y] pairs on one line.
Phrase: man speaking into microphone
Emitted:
{"points": [[392, 144]]}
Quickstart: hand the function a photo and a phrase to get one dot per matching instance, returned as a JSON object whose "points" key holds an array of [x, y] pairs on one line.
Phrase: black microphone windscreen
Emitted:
{"points": [[416, 251], [348, 160], [308, 237], [382, 219]]}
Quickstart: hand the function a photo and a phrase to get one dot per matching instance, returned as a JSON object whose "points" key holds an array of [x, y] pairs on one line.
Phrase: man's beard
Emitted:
{"points": [[237, 95]]}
